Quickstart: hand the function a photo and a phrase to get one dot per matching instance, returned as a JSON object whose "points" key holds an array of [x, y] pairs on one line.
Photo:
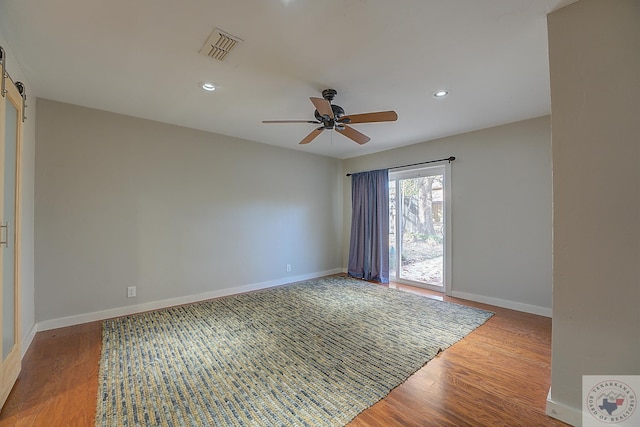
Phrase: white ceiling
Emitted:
{"points": [[140, 58]]}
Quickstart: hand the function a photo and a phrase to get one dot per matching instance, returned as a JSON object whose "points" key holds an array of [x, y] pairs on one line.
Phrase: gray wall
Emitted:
{"points": [[594, 51], [122, 201], [501, 210], [27, 309]]}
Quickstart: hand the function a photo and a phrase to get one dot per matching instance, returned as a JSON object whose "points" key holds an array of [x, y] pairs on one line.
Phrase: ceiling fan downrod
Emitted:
{"points": [[327, 121]]}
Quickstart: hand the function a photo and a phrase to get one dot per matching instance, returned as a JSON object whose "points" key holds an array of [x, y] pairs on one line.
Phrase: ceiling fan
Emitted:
{"points": [[332, 116]]}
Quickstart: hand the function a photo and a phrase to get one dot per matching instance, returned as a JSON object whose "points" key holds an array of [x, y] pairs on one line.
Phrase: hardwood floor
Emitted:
{"points": [[497, 376]]}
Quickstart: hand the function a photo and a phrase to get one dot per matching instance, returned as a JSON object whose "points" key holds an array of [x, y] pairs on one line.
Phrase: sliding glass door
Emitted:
{"points": [[417, 227]]}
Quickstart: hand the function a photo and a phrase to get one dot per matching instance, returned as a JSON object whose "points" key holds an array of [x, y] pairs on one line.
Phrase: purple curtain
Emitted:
{"points": [[369, 247]]}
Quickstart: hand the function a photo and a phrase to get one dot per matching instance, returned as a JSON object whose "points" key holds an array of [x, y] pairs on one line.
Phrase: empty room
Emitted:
{"points": [[305, 213]]}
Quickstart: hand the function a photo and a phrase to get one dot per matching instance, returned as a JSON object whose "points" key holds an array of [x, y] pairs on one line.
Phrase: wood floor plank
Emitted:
{"points": [[496, 376], [58, 384]]}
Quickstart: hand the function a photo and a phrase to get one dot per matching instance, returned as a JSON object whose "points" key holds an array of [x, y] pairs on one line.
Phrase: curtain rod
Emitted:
{"points": [[449, 159]]}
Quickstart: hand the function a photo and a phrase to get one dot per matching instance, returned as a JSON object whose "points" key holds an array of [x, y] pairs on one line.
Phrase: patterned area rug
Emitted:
{"points": [[311, 354]]}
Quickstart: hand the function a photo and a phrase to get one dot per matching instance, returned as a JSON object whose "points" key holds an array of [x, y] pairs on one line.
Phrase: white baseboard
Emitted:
{"points": [[563, 412], [155, 305], [27, 339], [513, 305]]}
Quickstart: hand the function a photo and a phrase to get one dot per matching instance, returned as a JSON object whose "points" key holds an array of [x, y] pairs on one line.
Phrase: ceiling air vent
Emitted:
{"points": [[219, 44]]}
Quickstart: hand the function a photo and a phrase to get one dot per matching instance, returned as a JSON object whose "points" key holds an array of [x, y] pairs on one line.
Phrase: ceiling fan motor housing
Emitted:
{"points": [[338, 112]]}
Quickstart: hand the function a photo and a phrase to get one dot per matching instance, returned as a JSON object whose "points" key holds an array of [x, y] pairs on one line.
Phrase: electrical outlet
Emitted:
{"points": [[131, 292], [288, 268]]}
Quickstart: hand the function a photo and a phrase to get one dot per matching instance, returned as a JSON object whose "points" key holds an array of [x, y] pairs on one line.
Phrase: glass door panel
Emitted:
{"points": [[10, 137], [416, 224], [7, 237], [421, 259]]}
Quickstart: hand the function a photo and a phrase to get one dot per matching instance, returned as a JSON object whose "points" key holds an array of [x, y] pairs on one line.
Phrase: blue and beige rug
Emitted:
{"points": [[311, 354]]}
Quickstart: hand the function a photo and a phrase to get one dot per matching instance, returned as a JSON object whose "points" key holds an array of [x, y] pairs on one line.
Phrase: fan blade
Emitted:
{"points": [[323, 106], [291, 121], [353, 134], [380, 116], [314, 133]]}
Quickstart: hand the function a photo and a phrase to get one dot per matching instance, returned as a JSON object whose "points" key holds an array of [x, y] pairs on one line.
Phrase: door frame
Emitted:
{"points": [[444, 169]]}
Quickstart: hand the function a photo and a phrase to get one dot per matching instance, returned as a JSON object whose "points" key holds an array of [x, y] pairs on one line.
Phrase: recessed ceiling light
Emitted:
{"points": [[440, 93], [208, 86]]}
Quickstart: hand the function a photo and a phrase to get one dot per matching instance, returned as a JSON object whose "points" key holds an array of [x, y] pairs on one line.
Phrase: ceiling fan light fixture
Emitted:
{"points": [[440, 93], [208, 86]]}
